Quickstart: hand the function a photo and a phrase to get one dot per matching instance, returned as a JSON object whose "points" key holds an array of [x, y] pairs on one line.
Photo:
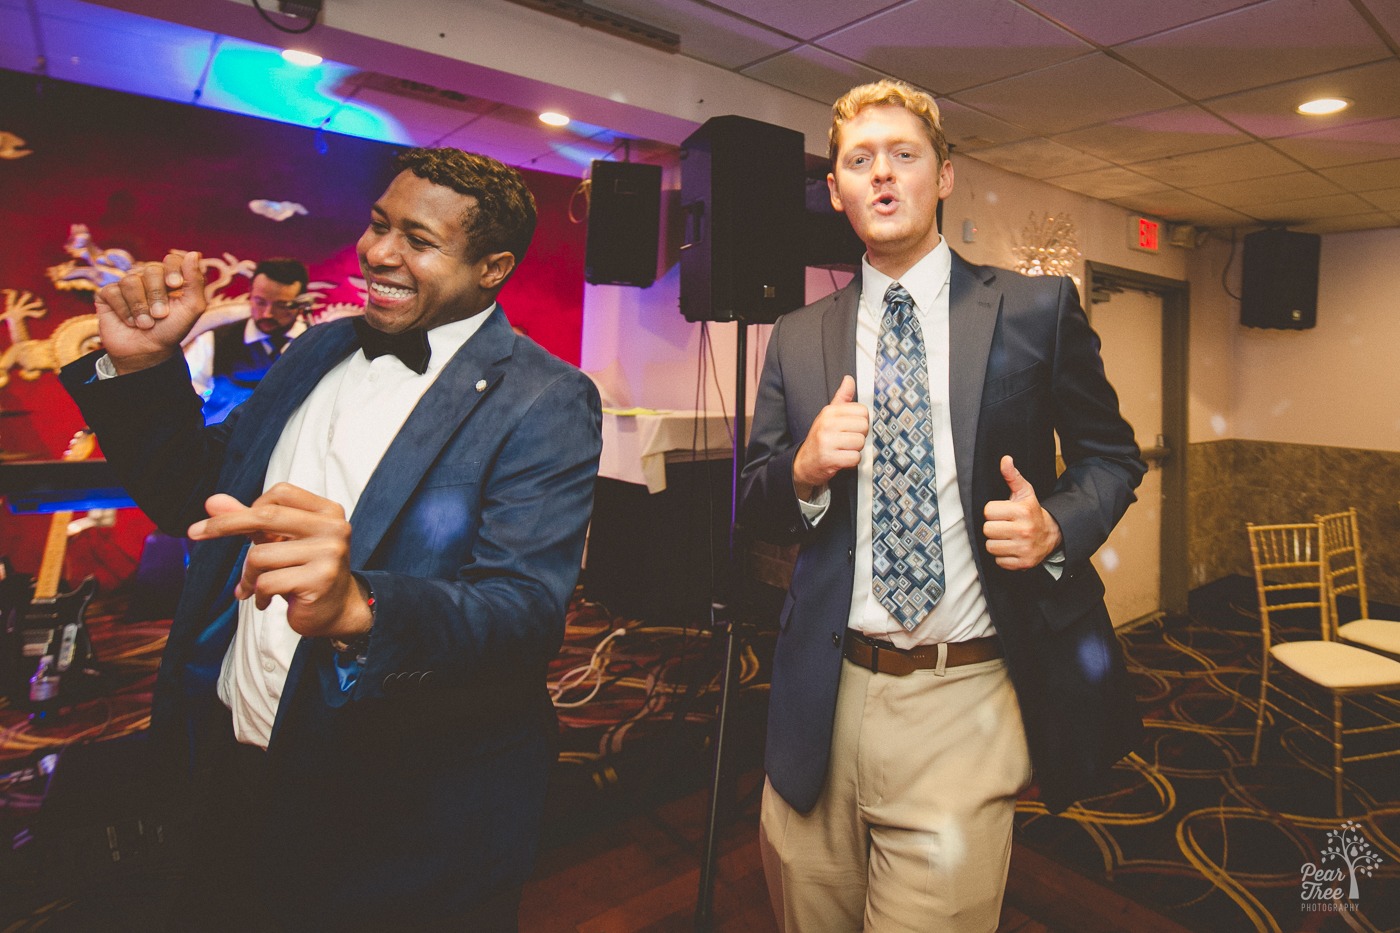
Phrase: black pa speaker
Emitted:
{"points": [[624, 222], [1279, 287], [742, 194]]}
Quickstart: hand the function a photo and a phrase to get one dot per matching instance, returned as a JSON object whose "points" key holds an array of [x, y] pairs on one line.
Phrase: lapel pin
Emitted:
{"points": [[481, 385]]}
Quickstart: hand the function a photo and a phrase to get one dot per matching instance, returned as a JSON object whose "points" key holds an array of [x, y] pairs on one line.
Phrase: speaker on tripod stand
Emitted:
{"points": [[742, 193]]}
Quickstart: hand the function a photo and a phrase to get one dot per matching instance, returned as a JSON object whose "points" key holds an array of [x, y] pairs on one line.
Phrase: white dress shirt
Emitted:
{"points": [[962, 612], [199, 352], [330, 446]]}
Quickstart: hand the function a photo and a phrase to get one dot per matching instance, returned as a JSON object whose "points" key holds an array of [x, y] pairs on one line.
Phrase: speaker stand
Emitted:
{"points": [[724, 617]]}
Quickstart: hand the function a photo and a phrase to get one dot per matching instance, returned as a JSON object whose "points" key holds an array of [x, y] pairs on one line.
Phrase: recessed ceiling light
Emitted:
{"points": [[554, 119], [1323, 106], [298, 57]]}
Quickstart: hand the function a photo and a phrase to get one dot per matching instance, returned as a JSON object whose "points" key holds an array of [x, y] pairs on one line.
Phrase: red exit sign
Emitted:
{"points": [[1144, 234]]}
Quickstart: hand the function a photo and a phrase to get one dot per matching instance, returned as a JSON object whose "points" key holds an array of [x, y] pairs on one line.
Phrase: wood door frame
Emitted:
{"points": [[1176, 318]]}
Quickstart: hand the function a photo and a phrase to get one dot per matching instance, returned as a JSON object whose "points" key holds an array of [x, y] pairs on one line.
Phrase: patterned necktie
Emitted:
{"points": [[907, 541]]}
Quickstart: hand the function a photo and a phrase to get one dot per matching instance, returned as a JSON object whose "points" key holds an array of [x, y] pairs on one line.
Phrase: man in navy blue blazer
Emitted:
{"points": [[387, 533], [944, 631]]}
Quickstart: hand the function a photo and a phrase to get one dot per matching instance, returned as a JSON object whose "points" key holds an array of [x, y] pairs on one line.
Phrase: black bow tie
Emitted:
{"points": [[410, 346]]}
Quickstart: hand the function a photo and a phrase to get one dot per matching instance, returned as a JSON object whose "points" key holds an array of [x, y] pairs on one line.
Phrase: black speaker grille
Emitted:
{"points": [[1279, 287]]}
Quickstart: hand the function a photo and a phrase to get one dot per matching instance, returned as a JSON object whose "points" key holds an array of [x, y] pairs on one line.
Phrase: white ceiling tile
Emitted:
{"points": [[1387, 13], [1253, 160], [969, 130], [812, 72], [1262, 44], [1175, 205], [801, 18], [1271, 190], [17, 51], [1387, 199], [708, 34], [1105, 183], [1144, 136], [1362, 142], [1366, 176], [1288, 212], [1052, 100], [1038, 157], [949, 45], [1218, 217], [1368, 221], [1270, 112], [1121, 20]]}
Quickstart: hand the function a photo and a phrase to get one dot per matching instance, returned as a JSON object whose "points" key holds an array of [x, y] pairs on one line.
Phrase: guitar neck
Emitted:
{"points": [[51, 568]]}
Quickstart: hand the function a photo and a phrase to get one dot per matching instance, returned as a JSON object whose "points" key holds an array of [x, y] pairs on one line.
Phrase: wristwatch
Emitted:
{"points": [[357, 648]]}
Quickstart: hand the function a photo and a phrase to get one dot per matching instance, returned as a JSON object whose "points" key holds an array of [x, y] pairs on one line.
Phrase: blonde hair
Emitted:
{"points": [[888, 92]]}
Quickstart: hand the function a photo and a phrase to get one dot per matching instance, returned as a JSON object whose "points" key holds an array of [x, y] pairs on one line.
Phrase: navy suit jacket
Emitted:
{"points": [[1024, 366], [418, 790]]}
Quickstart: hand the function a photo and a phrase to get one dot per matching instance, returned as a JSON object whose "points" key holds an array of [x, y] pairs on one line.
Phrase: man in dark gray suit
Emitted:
{"points": [[944, 630]]}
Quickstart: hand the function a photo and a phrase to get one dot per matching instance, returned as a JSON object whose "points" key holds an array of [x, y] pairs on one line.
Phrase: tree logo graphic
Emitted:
{"points": [[1336, 888]]}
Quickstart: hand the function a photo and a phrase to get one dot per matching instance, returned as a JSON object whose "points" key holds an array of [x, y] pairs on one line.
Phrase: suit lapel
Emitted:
{"points": [[433, 421], [466, 379], [839, 337], [973, 308], [262, 418], [838, 359]]}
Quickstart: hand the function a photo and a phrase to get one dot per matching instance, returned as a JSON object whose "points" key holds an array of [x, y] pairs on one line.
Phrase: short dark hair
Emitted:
{"points": [[504, 216], [285, 270]]}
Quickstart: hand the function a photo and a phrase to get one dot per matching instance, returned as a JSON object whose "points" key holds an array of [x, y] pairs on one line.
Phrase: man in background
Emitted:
{"points": [[944, 630], [227, 362]]}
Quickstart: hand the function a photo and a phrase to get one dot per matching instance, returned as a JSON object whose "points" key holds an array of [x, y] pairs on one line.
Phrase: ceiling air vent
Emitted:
{"points": [[607, 21]]}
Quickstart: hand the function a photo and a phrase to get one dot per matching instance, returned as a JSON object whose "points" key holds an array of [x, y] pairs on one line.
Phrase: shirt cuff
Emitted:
{"points": [[1055, 563], [105, 368], [813, 511]]}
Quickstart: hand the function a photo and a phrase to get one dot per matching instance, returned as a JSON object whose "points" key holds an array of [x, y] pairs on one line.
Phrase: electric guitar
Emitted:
{"points": [[51, 636]]}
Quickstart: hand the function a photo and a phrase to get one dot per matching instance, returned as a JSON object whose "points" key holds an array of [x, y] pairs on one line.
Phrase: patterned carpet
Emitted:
{"points": [[1194, 830], [1191, 828]]}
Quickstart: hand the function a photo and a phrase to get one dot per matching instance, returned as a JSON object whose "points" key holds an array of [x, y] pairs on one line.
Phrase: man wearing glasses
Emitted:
{"points": [[227, 363]]}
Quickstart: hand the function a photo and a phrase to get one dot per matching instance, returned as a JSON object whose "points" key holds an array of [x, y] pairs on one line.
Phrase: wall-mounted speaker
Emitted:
{"points": [[742, 194], [1279, 287], [624, 222]]}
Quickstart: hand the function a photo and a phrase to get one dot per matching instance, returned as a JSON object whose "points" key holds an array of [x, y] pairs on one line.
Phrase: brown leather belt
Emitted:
{"points": [[882, 657]]}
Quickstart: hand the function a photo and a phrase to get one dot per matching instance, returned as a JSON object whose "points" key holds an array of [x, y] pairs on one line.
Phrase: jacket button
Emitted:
{"points": [[836, 639], [851, 555]]}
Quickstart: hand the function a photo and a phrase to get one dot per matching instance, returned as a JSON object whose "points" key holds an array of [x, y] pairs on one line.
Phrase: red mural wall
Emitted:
{"points": [[146, 176]]}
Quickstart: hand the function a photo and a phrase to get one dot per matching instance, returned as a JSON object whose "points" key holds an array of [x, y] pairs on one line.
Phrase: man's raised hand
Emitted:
{"points": [[1020, 533], [834, 441], [143, 317]]}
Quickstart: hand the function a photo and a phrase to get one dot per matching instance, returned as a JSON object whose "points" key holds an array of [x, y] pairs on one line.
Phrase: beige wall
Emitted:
{"points": [[1337, 384]]}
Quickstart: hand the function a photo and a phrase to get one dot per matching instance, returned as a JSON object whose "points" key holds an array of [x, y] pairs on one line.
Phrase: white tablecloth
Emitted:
{"points": [[637, 446]]}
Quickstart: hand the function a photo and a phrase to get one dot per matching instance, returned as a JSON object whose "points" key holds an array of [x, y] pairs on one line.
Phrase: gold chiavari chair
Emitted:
{"points": [[1346, 574], [1289, 576]]}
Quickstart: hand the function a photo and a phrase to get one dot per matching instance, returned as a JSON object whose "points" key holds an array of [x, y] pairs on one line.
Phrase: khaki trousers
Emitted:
{"points": [[913, 828]]}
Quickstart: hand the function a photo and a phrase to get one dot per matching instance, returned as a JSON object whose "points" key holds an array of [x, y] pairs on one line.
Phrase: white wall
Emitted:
{"points": [[1212, 363], [1337, 384]]}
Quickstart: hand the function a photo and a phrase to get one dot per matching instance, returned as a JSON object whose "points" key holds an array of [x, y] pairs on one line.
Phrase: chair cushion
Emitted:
{"points": [[1336, 666], [1377, 634]]}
